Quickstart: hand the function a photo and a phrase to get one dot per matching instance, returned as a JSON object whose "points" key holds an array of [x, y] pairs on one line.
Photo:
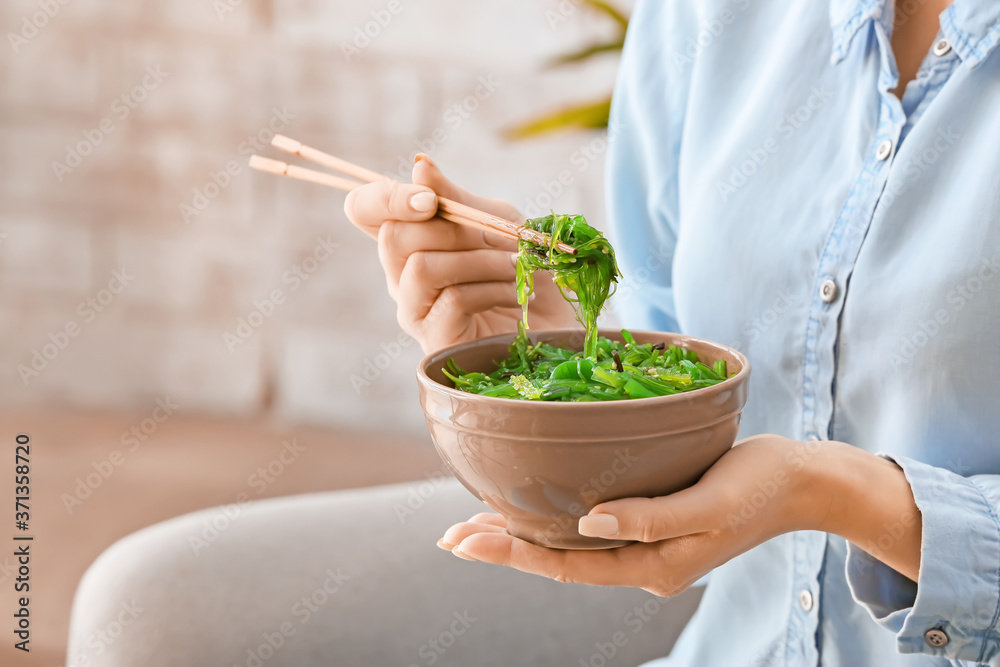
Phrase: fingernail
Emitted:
{"points": [[457, 551], [422, 157], [444, 545], [598, 525], [531, 297], [513, 258], [422, 202]]}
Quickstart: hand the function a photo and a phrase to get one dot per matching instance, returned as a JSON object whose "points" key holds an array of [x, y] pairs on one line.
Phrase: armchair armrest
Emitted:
{"points": [[347, 578]]}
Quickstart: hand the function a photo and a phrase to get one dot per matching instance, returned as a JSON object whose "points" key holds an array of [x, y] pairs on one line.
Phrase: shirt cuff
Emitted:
{"points": [[957, 593]]}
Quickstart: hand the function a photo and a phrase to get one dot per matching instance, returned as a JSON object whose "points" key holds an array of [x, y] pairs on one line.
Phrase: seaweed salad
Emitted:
{"points": [[605, 370], [590, 274]]}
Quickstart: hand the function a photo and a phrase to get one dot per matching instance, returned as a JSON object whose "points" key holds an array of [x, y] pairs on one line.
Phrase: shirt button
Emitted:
{"points": [[936, 637], [828, 291], [813, 438], [883, 151], [942, 47], [806, 602]]}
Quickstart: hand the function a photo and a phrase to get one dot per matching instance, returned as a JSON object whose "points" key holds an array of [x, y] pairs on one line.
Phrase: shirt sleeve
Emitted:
{"points": [[645, 132], [952, 609]]}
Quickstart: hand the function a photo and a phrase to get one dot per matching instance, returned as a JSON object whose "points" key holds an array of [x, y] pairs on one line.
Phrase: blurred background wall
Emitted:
{"points": [[133, 238], [134, 242]]}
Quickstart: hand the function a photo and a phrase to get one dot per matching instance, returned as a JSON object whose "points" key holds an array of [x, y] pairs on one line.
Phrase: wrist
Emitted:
{"points": [[864, 499], [796, 478], [835, 475], [818, 484]]}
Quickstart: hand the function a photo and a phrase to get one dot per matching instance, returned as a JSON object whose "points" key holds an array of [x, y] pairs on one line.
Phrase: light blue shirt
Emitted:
{"points": [[768, 191]]}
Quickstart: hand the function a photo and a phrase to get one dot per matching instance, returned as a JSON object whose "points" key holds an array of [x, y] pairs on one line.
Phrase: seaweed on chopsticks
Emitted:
{"points": [[605, 370], [586, 279]]}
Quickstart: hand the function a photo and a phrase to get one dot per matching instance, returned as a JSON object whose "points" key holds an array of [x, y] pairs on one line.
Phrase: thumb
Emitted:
{"points": [[650, 519], [426, 173]]}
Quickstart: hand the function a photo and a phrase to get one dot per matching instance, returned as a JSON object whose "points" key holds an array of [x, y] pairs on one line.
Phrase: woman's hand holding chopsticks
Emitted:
{"points": [[451, 283]]}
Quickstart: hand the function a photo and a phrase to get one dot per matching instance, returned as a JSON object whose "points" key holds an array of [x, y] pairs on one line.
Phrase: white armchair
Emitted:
{"points": [[347, 578]]}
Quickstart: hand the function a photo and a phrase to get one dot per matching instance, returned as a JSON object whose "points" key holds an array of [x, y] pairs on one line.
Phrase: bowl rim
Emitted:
{"points": [[433, 385]]}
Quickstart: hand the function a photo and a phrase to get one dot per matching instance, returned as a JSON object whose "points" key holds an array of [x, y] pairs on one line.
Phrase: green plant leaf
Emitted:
{"points": [[610, 10], [589, 52], [591, 115], [588, 116]]}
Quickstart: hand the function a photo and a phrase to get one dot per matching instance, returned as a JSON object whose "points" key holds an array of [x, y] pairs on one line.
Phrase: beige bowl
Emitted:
{"points": [[543, 465]]}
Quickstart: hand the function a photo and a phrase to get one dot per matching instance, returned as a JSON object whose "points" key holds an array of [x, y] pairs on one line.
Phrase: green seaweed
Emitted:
{"points": [[586, 279], [605, 370], [545, 372]]}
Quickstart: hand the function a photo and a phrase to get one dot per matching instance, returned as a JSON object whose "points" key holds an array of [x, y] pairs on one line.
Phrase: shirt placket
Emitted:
{"points": [[829, 290]]}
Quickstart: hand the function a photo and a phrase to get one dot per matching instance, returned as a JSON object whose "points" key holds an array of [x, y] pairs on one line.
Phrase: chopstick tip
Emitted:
{"points": [[284, 143], [267, 164]]}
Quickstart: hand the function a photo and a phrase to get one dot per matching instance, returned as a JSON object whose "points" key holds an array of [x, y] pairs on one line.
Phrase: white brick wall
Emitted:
{"points": [[164, 334], [43, 256]]}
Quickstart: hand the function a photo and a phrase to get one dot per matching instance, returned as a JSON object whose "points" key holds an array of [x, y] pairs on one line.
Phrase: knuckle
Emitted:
{"points": [[553, 566], [667, 589], [391, 287], [678, 550], [562, 578], [388, 236], [452, 237], [657, 581], [351, 206], [394, 199], [405, 320], [418, 267], [366, 205], [450, 297], [649, 527], [489, 240]]}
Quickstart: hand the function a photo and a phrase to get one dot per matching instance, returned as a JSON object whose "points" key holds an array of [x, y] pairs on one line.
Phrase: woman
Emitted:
{"points": [[826, 179]]}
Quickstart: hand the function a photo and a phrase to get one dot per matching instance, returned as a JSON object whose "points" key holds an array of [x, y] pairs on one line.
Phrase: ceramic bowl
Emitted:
{"points": [[543, 464]]}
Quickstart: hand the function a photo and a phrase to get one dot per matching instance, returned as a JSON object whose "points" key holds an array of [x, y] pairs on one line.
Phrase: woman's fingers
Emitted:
{"points": [[448, 287], [663, 569], [652, 519], [449, 318], [425, 172], [432, 271], [637, 566], [491, 518], [482, 522], [755, 471], [441, 255], [454, 535], [371, 205], [456, 304], [406, 238], [439, 273]]}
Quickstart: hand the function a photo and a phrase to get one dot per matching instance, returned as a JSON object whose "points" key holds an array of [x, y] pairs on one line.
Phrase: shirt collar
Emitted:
{"points": [[971, 26]]}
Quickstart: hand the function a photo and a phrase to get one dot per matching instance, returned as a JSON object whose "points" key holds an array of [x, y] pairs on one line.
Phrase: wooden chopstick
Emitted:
{"points": [[299, 173], [281, 142], [449, 209], [284, 169]]}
